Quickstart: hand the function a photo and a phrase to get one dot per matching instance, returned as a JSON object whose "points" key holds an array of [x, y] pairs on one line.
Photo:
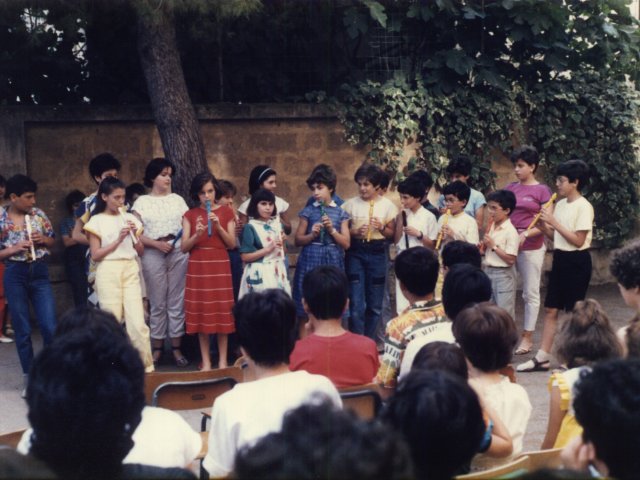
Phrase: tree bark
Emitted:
{"points": [[173, 111]]}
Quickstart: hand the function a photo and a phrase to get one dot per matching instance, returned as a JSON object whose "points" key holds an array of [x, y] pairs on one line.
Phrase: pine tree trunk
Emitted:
{"points": [[172, 108]]}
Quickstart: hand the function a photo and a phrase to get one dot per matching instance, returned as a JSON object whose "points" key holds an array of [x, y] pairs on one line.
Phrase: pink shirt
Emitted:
{"points": [[529, 200]]}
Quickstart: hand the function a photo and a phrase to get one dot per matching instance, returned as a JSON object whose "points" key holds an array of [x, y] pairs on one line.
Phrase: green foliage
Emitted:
{"points": [[595, 119]]}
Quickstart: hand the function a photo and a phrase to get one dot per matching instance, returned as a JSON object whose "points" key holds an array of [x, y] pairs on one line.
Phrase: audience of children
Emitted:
{"points": [[372, 224], [570, 226], [345, 358], [531, 195], [265, 323], [501, 249], [114, 244], [208, 230], [584, 338], [164, 265], [487, 335]]}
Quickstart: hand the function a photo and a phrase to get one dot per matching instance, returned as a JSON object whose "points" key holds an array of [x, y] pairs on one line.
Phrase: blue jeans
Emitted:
{"points": [[366, 267], [23, 282]]}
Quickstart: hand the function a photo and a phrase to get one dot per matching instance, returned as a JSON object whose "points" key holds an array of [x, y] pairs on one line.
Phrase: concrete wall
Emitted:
{"points": [[55, 145]]}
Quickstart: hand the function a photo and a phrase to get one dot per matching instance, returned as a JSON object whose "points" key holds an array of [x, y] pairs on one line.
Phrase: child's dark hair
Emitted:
{"points": [[106, 187], [134, 189], [261, 195], [227, 189], [199, 181], [323, 174], [625, 265], [586, 336], [417, 269], [487, 335], [154, 168], [458, 189], [505, 198], [265, 326], [423, 177], [440, 417], [412, 186], [459, 251], [443, 356], [103, 162], [385, 181], [528, 155], [632, 339], [20, 184], [461, 165], [258, 176], [3, 181], [73, 197], [463, 285], [370, 172], [325, 290], [574, 170]]}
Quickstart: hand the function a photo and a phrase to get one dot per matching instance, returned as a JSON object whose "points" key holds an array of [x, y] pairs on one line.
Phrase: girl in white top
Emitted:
{"points": [[164, 265], [415, 227], [263, 176], [114, 244]]}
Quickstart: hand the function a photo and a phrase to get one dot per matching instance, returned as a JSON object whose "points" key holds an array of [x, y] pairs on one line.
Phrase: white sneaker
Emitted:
{"points": [[4, 339]]}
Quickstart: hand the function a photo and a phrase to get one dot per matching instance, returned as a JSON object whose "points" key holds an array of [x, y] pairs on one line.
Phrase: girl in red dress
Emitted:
{"points": [[208, 230]]}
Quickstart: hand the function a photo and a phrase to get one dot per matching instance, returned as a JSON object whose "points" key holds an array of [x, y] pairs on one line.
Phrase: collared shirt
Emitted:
{"points": [[506, 238], [11, 234], [465, 228], [425, 222]]}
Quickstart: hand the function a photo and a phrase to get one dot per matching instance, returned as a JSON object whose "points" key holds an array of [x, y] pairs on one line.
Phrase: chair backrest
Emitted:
{"points": [[521, 465], [364, 400], [544, 458], [11, 439], [196, 394], [155, 379]]}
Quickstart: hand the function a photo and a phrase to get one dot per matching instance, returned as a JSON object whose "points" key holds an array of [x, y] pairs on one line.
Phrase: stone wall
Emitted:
{"points": [[55, 145]]}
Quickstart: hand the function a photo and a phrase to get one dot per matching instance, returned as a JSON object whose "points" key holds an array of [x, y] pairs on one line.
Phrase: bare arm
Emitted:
{"points": [[555, 419], [258, 254], [78, 233], [501, 442], [303, 238], [7, 252], [98, 252], [68, 241], [188, 240], [228, 236], [286, 223], [480, 217], [342, 236]]}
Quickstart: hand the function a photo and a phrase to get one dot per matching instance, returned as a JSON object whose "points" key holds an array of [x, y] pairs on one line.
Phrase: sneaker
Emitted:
{"points": [[4, 339]]}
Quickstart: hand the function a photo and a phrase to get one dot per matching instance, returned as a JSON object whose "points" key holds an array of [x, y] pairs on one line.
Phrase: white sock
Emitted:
{"points": [[542, 356]]}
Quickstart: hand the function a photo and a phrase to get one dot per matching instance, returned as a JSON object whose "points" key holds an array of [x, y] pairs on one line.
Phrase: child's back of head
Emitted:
{"points": [[444, 356], [417, 269], [487, 335], [586, 336], [459, 251], [464, 284], [325, 291]]}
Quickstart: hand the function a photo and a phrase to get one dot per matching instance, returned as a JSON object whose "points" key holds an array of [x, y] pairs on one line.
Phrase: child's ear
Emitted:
{"points": [[13, 197]]}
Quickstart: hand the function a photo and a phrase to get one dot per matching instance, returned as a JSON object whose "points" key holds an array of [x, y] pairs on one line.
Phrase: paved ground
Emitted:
{"points": [[13, 415]]}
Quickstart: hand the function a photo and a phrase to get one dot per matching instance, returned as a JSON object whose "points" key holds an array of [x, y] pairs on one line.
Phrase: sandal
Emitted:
{"points": [[533, 365], [181, 361], [156, 360]]}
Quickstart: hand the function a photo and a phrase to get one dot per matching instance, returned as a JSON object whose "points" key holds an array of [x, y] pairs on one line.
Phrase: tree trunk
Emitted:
{"points": [[172, 108]]}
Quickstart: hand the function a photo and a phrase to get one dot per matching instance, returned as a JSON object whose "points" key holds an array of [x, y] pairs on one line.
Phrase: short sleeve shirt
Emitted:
{"points": [[577, 216], [529, 201], [425, 222], [107, 228], [476, 200], [281, 205], [161, 215], [358, 209], [507, 240], [11, 234]]}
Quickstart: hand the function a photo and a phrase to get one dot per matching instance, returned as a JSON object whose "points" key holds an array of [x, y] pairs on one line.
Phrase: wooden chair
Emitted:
{"points": [[155, 379], [509, 470], [364, 400], [11, 439], [543, 458]]}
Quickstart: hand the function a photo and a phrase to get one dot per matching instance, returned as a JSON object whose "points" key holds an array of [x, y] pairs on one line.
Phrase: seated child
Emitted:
{"points": [[417, 271], [501, 249], [586, 337], [345, 358], [457, 251], [265, 326], [456, 225], [459, 169], [625, 267], [440, 418], [487, 335]]}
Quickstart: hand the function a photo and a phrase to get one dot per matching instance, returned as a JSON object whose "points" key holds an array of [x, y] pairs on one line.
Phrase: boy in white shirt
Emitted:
{"points": [[501, 250], [455, 225], [372, 224], [415, 227]]}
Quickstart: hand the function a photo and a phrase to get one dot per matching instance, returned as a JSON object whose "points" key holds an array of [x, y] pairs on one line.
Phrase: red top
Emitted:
{"points": [[224, 213]]}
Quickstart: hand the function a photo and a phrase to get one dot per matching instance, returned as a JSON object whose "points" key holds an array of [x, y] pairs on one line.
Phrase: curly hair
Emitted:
{"points": [[586, 336], [625, 265]]}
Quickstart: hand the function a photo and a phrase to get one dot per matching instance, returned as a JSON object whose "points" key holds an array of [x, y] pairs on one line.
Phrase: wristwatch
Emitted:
{"points": [[421, 236]]}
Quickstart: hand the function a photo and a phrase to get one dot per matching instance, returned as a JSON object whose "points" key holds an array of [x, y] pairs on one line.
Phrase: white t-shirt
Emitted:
{"points": [[465, 227], [358, 209], [424, 221], [107, 228], [252, 410], [442, 333], [161, 215], [507, 240], [163, 439], [476, 200], [281, 205], [576, 216]]}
